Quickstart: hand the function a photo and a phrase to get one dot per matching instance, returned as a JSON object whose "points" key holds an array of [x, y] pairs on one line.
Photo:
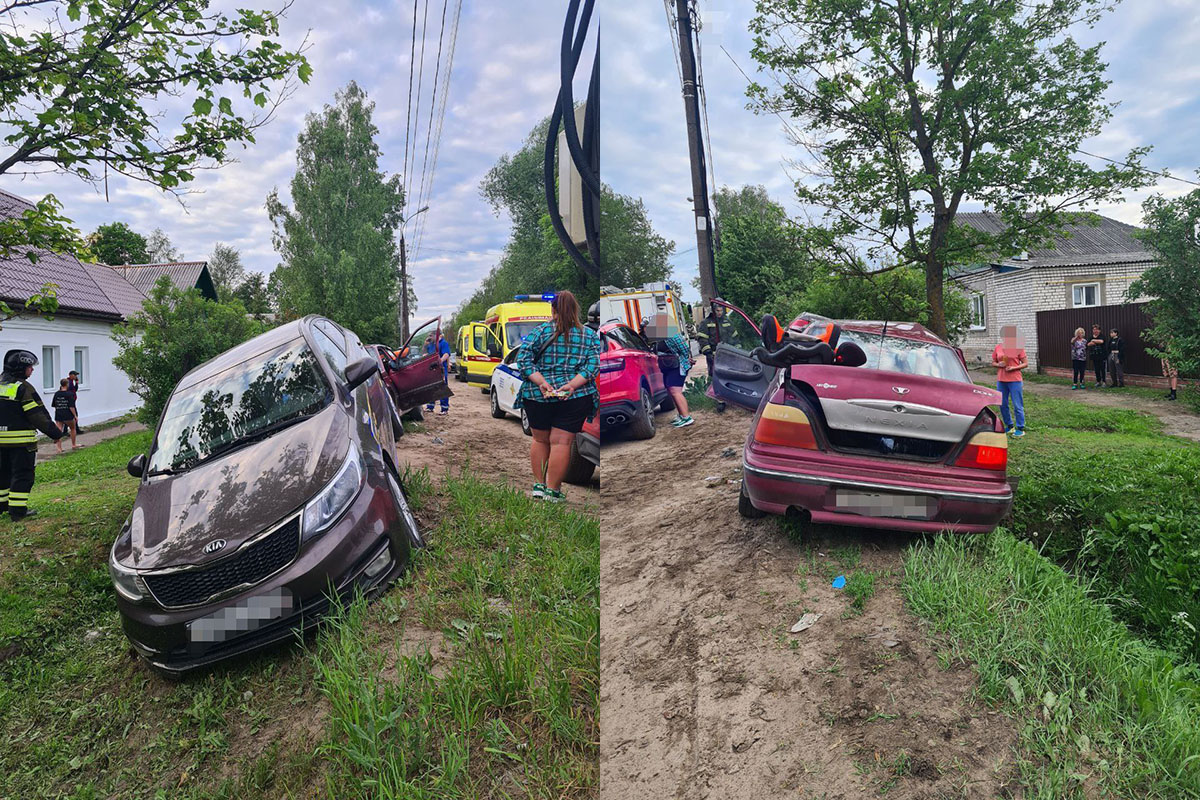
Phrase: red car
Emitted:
{"points": [[400, 373], [864, 423], [630, 382]]}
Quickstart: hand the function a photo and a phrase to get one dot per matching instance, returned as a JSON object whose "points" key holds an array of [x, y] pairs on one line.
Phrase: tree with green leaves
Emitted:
{"points": [[908, 108], [338, 240], [534, 259], [254, 294], [91, 87], [159, 249], [225, 267], [176, 331], [1172, 232], [117, 243]]}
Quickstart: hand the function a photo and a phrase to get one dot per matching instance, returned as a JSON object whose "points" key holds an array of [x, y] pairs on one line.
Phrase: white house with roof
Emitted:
{"points": [[1080, 278], [92, 298]]}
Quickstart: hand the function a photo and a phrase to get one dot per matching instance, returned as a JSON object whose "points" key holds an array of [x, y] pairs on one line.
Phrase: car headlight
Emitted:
{"points": [[126, 581], [324, 509]]}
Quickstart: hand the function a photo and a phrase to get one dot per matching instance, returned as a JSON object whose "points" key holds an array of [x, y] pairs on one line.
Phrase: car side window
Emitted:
{"points": [[511, 358], [333, 354], [477, 340]]}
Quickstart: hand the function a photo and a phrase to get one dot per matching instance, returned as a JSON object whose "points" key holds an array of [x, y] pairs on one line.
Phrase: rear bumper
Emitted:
{"points": [[958, 506], [615, 413], [589, 447]]}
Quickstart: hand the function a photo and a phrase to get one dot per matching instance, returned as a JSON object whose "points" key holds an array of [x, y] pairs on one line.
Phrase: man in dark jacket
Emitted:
{"points": [[713, 329], [22, 415], [1115, 346]]}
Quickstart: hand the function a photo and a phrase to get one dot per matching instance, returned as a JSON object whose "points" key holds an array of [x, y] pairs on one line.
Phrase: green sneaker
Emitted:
{"points": [[555, 496], [683, 422], [539, 491]]}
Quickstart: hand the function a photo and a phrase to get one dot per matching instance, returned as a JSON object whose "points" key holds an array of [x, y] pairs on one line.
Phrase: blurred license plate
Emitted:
{"points": [[875, 504], [247, 614]]}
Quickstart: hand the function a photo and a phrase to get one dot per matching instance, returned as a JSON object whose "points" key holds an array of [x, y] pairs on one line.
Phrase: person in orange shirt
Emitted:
{"points": [[1009, 359]]}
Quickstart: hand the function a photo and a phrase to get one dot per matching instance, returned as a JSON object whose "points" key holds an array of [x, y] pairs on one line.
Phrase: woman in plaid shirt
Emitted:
{"points": [[559, 362], [675, 364]]}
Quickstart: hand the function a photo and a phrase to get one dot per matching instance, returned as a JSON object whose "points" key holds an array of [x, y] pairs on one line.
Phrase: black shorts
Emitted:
{"points": [[673, 379], [566, 415], [63, 415]]}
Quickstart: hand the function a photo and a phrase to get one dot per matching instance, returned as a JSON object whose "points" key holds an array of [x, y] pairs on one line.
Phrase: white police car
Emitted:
{"points": [[506, 383]]}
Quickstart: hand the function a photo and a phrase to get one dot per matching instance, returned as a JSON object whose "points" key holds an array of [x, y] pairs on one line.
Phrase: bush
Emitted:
{"points": [[1149, 562], [176, 331]]}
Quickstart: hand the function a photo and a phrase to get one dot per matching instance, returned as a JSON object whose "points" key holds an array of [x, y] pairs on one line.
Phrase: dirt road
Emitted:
{"points": [[1177, 418], [469, 435], [705, 693]]}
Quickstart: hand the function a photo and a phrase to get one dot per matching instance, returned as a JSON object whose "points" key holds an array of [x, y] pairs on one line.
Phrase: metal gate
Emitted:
{"points": [[1055, 329]]}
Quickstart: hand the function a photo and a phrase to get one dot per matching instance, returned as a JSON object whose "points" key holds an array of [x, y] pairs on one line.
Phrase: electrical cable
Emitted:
{"points": [[412, 62], [408, 183], [423, 186], [569, 64]]}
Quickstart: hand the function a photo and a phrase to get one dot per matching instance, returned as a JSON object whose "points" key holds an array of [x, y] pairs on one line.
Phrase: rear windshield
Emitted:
{"points": [[908, 356], [261, 392]]}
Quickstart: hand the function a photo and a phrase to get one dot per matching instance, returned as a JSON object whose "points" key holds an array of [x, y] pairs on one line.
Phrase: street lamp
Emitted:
{"points": [[404, 274]]}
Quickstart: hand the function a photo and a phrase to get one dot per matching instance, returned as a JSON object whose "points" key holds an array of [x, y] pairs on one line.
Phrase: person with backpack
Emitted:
{"points": [[22, 415], [1115, 347], [558, 361]]}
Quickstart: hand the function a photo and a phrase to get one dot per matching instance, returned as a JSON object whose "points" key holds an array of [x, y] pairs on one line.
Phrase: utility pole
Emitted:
{"points": [[691, 104], [404, 274]]}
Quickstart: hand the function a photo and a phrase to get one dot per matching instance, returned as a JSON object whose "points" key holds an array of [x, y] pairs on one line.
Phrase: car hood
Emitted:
{"points": [[894, 403], [235, 496]]}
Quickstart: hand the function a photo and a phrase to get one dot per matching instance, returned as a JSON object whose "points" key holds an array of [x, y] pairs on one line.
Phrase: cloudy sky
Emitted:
{"points": [[1151, 49], [504, 78]]}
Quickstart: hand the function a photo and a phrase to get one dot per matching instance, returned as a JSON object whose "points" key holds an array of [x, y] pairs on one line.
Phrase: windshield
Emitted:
{"points": [[908, 356], [250, 398], [515, 332]]}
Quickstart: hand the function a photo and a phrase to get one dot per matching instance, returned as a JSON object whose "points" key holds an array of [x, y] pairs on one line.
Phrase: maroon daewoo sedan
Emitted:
{"points": [[270, 489], [863, 423]]}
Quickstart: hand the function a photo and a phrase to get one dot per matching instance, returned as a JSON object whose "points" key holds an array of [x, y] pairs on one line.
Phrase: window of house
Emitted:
{"points": [[81, 366], [978, 312], [1084, 295], [49, 367]]}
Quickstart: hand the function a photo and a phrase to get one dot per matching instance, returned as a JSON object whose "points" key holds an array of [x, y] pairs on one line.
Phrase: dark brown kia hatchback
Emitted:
{"points": [[271, 486]]}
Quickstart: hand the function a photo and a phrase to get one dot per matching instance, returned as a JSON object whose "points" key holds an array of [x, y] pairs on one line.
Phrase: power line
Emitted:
{"points": [[412, 62], [420, 84], [702, 95]]}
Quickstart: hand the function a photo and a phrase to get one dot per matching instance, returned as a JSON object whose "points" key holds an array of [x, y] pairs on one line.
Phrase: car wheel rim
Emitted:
{"points": [[495, 405], [524, 421], [410, 522]]}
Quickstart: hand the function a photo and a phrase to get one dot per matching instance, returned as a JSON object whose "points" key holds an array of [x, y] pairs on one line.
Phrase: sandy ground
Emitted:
{"points": [[493, 448], [705, 693]]}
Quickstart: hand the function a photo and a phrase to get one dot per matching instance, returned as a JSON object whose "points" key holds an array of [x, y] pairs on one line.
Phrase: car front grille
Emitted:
{"points": [[879, 444], [248, 566]]}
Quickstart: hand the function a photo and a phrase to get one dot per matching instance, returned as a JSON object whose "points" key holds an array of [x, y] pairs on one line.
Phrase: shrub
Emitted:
{"points": [[176, 331]]}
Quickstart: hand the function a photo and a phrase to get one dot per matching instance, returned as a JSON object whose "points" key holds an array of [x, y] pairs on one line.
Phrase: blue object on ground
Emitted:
{"points": [[839, 582]]}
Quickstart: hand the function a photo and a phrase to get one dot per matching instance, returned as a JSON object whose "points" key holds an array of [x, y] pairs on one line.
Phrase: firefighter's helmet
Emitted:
{"points": [[15, 361]]}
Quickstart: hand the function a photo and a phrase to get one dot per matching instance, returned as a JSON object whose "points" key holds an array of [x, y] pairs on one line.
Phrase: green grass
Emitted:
{"points": [[514, 592], [1098, 709], [81, 718], [695, 391]]}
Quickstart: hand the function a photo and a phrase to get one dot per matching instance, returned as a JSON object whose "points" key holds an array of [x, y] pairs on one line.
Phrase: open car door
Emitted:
{"points": [[738, 377], [416, 377]]}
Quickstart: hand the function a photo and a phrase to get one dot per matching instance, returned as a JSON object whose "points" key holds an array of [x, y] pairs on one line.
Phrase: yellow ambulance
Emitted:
{"points": [[480, 346]]}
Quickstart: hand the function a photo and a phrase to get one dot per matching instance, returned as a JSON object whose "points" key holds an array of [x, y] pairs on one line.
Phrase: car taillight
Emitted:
{"points": [[784, 425], [985, 451], [612, 365]]}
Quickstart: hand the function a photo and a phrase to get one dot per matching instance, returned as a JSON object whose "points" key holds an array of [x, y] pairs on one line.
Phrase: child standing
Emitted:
{"points": [[1009, 359], [1116, 358], [1079, 349]]}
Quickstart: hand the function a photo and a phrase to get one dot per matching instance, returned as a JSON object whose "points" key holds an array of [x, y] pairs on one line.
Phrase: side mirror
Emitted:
{"points": [[360, 372], [137, 465], [849, 354]]}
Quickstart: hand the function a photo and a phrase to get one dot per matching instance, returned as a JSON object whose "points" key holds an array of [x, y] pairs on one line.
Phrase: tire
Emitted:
{"points": [[746, 508], [525, 429], [412, 531], [579, 469], [497, 411], [642, 425], [460, 374], [414, 414], [720, 406]]}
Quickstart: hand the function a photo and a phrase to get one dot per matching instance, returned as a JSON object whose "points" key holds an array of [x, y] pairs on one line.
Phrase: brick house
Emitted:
{"points": [[1081, 278]]}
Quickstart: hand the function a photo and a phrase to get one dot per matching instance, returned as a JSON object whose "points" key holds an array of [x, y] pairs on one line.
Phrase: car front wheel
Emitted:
{"points": [[408, 521], [528, 431], [497, 411]]}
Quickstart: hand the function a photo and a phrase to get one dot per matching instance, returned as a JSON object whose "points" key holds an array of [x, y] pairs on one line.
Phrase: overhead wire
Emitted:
{"points": [[702, 96], [412, 63], [420, 83]]}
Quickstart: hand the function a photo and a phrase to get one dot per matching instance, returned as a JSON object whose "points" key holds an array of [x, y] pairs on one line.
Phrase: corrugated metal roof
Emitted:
{"points": [[184, 274], [1081, 244], [78, 291], [124, 296]]}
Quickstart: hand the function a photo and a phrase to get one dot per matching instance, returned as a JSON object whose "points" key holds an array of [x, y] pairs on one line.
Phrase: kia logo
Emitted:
{"points": [[214, 545], [900, 390]]}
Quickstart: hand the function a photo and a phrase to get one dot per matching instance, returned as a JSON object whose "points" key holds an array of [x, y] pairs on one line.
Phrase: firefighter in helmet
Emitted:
{"points": [[713, 329], [22, 415]]}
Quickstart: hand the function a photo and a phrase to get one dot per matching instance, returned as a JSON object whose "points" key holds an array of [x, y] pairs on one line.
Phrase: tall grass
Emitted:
{"points": [[510, 706], [1101, 711]]}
